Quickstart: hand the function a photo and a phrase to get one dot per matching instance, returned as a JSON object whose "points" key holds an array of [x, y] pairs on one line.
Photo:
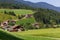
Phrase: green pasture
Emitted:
{"points": [[26, 20], [17, 11], [40, 34]]}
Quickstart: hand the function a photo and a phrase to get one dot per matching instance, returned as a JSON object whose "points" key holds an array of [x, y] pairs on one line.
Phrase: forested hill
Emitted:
{"points": [[21, 4], [13, 4], [46, 16]]}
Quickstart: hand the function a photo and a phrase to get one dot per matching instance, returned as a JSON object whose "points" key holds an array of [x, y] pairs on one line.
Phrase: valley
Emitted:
{"points": [[25, 20]]}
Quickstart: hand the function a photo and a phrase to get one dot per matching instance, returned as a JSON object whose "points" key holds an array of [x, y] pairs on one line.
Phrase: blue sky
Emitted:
{"points": [[53, 2]]}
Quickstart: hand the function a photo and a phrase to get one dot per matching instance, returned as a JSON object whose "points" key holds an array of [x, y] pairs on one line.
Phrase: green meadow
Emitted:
{"points": [[40, 34], [26, 20], [4, 17], [17, 11]]}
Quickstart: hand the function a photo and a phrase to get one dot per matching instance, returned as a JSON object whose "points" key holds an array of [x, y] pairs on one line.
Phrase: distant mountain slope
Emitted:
{"points": [[26, 4], [13, 4], [39, 5], [7, 1], [46, 5]]}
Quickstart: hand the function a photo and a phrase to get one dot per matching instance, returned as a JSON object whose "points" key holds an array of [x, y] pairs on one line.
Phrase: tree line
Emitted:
{"points": [[47, 17]]}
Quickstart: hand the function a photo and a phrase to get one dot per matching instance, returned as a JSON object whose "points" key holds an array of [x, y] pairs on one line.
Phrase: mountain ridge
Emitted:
{"points": [[40, 5], [34, 5]]}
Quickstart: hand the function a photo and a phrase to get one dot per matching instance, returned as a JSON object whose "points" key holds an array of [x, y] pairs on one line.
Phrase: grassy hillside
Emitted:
{"points": [[17, 11], [4, 17], [41, 34], [27, 20]]}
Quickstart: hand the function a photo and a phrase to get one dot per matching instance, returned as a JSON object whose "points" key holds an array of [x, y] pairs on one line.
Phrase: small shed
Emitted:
{"points": [[28, 15], [36, 25]]}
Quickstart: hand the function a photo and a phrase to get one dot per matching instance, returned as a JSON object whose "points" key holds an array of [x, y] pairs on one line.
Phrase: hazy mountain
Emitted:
{"points": [[40, 5], [46, 5], [7, 1], [35, 5]]}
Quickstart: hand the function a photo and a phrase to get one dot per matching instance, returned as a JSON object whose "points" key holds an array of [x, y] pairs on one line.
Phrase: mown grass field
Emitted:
{"points": [[40, 34], [17, 11]]}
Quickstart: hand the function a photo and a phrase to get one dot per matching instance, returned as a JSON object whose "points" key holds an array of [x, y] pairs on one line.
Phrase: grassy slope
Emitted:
{"points": [[36, 34], [26, 20], [40, 34], [17, 11], [50, 32], [4, 17]]}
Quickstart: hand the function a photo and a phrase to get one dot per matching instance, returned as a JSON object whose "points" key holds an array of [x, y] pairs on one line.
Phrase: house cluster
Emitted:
{"points": [[9, 25], [28, 15]]}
